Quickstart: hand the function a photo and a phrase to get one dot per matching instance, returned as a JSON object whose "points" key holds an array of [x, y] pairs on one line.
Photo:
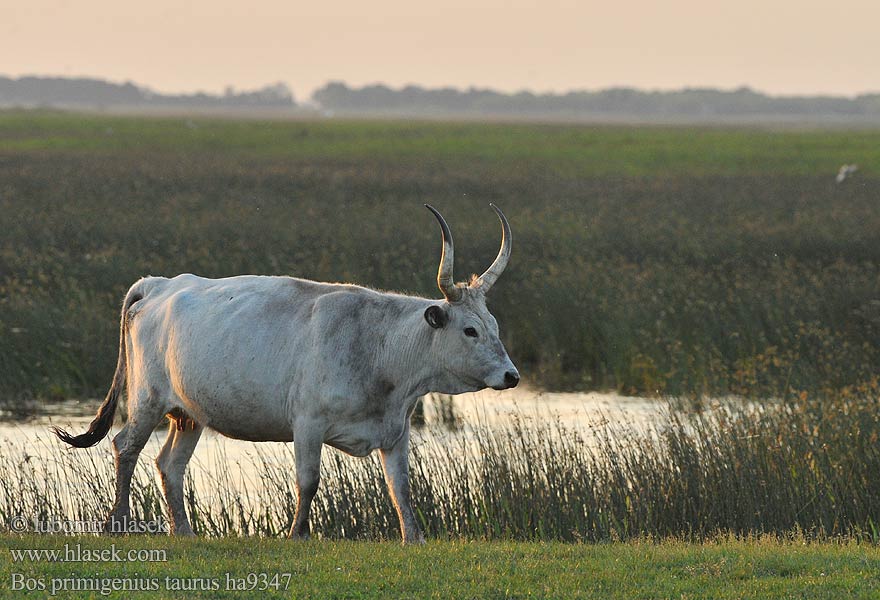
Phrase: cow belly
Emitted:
{"points": [[241, 417], [232, 398], [254, 431], [361, 438]]}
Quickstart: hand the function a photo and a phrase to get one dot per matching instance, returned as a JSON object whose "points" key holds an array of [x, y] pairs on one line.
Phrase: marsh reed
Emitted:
{"points": [[809, 466]]}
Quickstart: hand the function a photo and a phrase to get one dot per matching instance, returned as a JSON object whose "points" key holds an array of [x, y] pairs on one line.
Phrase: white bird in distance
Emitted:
{"points": [[846, 171]]}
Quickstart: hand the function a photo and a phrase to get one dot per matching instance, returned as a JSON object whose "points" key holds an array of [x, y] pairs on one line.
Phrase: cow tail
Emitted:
{"points": [[100, 426]]}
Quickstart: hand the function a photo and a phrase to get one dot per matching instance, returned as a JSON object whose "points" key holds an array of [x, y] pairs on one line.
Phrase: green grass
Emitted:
{"points": [[723, 569], [568, 150], [652, 260]]}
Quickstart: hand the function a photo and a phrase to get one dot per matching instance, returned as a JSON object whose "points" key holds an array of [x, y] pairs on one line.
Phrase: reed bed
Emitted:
{"points": [[661, 261], [808, 468]]}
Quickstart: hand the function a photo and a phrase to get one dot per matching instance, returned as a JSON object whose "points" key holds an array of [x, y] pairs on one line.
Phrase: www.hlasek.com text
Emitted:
{"points": [[75, 553]]}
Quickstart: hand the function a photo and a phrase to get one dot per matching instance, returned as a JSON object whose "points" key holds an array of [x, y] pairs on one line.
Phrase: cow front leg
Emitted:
{"points": [[395, 464], [307, 451]]}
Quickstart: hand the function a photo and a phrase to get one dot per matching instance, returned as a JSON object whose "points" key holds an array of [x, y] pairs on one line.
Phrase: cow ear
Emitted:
{"points": [[436, 316]]}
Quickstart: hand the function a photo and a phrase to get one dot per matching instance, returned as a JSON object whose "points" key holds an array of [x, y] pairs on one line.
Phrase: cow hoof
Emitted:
{"points": [[419, 541], [302, 534]]}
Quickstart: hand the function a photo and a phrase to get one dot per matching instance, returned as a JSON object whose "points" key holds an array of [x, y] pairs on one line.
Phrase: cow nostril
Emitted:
{"points": [[511, 379]]}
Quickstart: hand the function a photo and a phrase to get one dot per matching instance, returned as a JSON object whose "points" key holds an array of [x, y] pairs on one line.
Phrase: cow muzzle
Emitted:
{"points": [[510, 380]]}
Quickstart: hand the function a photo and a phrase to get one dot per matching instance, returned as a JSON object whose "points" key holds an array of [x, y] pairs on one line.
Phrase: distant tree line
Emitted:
{"points": [[690, 103], [337, 96], [60, 91]]}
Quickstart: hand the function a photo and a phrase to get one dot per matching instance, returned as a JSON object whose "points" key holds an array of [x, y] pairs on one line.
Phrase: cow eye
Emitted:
{"points": [[470, 332]]}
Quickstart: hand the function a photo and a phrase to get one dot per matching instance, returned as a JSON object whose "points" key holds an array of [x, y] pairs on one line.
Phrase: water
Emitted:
{"points": [[522, 406], [240, 464]]}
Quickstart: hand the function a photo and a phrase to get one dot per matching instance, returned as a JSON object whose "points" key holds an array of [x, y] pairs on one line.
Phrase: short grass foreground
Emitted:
{"points": [[764, 568]]}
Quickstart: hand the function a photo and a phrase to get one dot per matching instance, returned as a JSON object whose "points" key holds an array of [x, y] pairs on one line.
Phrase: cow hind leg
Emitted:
{"points": [[144, 415], [307, 451], [183, 436]]}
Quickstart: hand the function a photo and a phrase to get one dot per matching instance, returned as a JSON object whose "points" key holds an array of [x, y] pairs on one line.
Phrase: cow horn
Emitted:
{"points": [[487, 279], [445, 281]]}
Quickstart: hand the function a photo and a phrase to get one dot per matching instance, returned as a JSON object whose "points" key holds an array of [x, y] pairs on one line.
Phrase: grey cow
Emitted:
{"points": [[286, 359]]}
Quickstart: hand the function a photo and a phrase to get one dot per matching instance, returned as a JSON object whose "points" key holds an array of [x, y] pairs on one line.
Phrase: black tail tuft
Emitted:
{"points": [[84, 440], [80, 441], [98, 429]]}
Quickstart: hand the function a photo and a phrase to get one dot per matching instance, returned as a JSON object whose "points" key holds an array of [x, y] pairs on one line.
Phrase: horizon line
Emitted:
{"points": [[470, 87]]}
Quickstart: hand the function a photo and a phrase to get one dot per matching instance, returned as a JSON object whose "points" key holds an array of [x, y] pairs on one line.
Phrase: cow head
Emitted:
{"points": [[465, 336]]}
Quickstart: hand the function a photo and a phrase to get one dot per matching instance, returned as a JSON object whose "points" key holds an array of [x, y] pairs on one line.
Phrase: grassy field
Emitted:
{"points": [[670, 569], [653, 260]]}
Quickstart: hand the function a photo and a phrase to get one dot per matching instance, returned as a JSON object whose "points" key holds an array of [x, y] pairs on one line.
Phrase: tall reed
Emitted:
{"points": [[809, 466]]}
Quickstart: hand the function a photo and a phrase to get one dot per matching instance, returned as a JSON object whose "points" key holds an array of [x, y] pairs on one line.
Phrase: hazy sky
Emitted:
{"points": [[777, 46]]}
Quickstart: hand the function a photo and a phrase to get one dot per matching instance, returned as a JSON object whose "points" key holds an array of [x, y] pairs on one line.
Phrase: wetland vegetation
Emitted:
{"points": [[685, 262], [649, 260]]}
